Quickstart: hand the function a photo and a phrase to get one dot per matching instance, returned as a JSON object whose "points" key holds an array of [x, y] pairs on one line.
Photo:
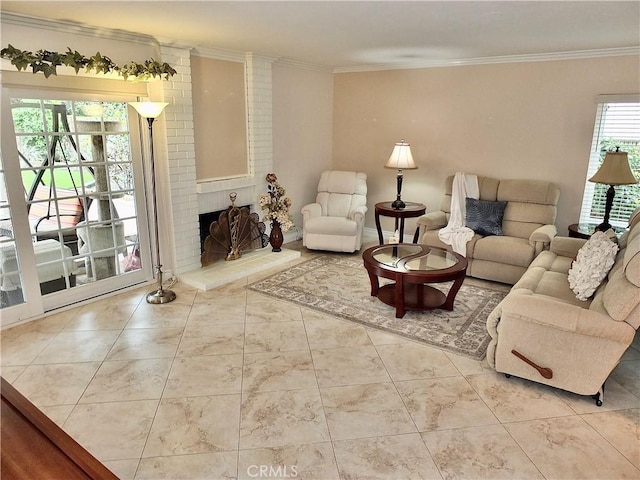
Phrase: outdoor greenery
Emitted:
{"points": [[47, 62], [39, 123]]}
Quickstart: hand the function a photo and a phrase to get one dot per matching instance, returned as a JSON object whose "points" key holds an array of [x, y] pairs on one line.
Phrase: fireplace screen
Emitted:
{"points": [[236, 231]]}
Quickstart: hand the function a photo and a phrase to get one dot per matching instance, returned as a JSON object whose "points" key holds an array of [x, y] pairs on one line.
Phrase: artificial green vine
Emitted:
{"points": [[47, 62]]}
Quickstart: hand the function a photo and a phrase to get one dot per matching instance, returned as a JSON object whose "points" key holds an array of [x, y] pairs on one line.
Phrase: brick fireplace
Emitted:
{"points": [[188, 197]]}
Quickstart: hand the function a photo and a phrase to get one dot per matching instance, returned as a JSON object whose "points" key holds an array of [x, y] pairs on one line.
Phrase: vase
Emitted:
{"points": [[276, 238]]}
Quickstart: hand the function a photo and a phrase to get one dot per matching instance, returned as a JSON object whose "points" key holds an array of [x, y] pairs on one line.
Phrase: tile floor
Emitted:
{"points": [[230, 384]]}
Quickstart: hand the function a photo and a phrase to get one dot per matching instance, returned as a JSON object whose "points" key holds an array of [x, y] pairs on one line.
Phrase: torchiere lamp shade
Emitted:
{"points": [[149, 109]]}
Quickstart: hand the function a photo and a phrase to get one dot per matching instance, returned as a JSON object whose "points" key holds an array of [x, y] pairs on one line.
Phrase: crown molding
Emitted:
{"points": [[260, 56], [218, 54], [537, 57], [65, 26], [303, 65], [235, 56]]}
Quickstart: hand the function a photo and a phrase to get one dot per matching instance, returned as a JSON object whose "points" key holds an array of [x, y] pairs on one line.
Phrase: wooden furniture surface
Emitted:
{"points": [[585, 230], [411, 209], [33, 447], [581, 230], [411, 267]]}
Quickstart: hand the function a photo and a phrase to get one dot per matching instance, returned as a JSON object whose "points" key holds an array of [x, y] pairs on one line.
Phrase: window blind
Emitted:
{"points": [[617, 124]]}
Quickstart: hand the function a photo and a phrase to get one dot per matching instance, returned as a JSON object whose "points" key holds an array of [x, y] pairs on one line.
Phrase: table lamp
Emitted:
{"points": [[614, 170], [401, 159]]}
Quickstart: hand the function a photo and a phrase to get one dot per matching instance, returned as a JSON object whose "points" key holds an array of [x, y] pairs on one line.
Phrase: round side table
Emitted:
{"points": [[585, 230], [581, 230], [410, 210]]}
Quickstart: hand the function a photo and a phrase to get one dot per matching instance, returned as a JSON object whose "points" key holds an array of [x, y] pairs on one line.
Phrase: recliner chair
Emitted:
{"points": [[542, 332], [336, 220]]}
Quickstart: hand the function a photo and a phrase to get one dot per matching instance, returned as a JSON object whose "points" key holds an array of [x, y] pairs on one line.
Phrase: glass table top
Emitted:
{"points": [[426, 258]]}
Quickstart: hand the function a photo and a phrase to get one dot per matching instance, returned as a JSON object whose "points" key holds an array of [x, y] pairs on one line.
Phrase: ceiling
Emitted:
{"points": [[365, 34]]}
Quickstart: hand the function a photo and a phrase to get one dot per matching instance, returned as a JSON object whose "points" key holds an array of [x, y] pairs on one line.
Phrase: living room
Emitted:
{"points": [[524, 117], [529, 116]]}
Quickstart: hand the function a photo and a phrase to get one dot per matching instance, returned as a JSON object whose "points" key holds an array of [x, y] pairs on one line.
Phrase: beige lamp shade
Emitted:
{"points": [[401, 157], [149, 109], [614, 170]]}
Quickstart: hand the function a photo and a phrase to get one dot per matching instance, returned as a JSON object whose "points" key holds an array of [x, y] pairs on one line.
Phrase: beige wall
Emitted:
{"points": [[220, 114], [302, 128], [519, 120]]}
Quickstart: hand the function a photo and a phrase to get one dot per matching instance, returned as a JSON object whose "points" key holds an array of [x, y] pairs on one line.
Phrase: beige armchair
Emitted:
{"points": [[336, 220]]}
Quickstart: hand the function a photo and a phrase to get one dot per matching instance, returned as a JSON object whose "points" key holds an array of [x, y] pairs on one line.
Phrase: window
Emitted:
{"points": [[617, 125]]}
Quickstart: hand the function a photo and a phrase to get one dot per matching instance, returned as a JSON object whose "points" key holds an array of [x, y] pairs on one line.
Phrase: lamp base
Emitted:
{"points": [[603, 227], [398, 204], [161, 296]]}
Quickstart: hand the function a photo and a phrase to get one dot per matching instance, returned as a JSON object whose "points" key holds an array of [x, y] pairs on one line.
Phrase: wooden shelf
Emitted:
{"points": [[33, 446]]}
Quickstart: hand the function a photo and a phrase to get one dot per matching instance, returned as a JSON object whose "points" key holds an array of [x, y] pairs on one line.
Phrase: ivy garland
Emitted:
{"points": [[47, 62]]}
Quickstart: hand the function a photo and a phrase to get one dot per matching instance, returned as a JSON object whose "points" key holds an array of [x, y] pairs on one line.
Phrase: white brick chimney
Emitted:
{"points": [[188, 198]]}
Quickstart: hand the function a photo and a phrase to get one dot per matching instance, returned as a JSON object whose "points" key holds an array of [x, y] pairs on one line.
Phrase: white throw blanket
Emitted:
{"points": [[455, 233]]}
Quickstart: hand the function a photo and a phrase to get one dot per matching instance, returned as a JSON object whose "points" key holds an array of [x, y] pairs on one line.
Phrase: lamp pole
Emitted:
{"points": [[150, 111]]}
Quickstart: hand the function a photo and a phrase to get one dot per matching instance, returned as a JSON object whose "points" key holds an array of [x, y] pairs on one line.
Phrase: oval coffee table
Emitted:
{"points": [[411, 267]]}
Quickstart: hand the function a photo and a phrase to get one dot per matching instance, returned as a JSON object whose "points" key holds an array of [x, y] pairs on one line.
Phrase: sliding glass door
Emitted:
{"points": [[79, 214], [13, 288]]}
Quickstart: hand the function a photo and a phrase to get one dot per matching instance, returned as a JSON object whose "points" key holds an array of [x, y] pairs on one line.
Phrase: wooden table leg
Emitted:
{"points": [[399, 294], [373, 278], [415, 235], [451, 296], [378, 227]]}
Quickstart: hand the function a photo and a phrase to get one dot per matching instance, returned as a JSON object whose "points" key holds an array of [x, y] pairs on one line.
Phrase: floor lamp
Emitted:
{"points": [[151, 111]]}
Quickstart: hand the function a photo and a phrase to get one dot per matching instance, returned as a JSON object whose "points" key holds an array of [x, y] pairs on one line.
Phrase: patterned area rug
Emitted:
{"points": [[340, 286]]}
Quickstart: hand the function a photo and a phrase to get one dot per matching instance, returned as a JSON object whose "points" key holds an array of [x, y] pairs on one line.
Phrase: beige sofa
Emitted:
{"points": [[581, 342], [528, 227]]}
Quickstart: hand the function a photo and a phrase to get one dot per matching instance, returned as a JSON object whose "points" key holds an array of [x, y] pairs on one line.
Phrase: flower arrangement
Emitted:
{"points": [[276, 203]]}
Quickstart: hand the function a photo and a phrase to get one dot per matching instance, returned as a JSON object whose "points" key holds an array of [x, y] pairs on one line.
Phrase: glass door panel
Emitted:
{"points": [[14, 291], [78, 176], [11, 287]]}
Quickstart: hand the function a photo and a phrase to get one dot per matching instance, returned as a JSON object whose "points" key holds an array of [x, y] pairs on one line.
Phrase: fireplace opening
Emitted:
{"points": [[206, 219]]}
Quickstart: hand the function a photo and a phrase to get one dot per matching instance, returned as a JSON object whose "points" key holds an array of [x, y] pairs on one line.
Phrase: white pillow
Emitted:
{"points": [[593, 262]]}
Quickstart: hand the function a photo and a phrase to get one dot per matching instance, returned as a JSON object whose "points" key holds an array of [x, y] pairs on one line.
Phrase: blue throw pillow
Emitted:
{"points": [[484, 217]]}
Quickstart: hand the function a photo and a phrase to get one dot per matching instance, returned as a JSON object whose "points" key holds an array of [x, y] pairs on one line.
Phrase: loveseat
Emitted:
{"points": [[578, 342], [527, 227]]}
